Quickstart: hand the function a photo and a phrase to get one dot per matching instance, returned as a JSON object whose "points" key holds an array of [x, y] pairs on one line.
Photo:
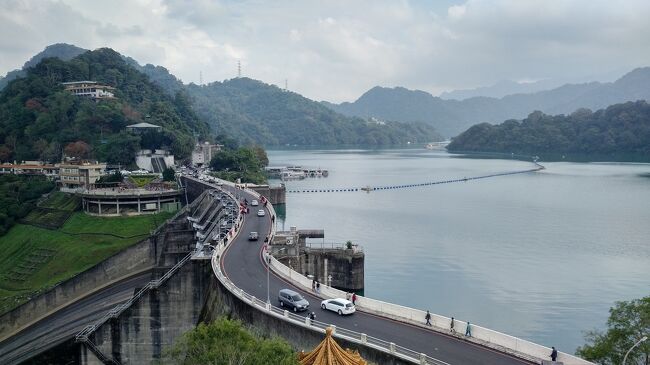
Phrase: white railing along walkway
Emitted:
{"points": [[346, 334], [481, 335]]}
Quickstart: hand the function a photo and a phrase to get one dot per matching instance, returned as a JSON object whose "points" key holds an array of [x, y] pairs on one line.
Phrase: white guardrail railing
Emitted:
{"points": [[480, 335], [343, 333]]}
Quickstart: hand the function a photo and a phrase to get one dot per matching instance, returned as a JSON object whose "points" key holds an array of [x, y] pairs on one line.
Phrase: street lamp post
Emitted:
{"points": [[268, 264], [633, 346]]}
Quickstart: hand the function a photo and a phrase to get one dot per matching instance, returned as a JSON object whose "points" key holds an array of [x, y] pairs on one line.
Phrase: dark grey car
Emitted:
{"points": [[292, 300]]}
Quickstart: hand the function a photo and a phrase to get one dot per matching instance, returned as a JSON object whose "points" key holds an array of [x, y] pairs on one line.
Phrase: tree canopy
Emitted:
{"points": [[227, 342], [245, 163], [621, 128], [37, 112], [18, 196], [628, 322]]}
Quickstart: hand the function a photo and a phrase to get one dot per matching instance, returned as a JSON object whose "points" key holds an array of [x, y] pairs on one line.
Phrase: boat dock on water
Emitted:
{"points": [[437, 146], [295, 172]]}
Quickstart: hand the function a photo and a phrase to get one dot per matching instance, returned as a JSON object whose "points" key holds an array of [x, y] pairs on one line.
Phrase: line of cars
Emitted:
{"points": [[293, 300]]}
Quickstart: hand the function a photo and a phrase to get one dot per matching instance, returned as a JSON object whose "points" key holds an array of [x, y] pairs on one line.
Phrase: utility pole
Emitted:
{"points": [[238, 68]]}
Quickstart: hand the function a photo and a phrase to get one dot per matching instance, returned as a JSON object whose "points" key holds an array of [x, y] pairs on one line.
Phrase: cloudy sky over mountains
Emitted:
{"points": [[336, 50]]}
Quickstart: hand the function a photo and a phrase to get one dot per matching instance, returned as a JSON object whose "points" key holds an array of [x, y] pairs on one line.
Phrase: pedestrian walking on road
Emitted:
{"points": [[468, 330], [317, 287], [312, 317], [553, 354], [451, 327], [313, 285], [354, 298], [428, 318]]}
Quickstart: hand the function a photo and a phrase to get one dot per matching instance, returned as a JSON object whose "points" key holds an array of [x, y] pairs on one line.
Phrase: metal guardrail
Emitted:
{"points": [[343, 333], [83, 335], [333, 246]]}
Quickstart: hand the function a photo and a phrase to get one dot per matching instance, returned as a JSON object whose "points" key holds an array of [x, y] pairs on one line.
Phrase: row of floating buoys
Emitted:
{"points": [[413, 185], [323, 190]]}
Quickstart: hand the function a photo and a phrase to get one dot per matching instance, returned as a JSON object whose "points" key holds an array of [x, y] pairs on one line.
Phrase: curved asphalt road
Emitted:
{"points": [[243, 264], [67, 322]]}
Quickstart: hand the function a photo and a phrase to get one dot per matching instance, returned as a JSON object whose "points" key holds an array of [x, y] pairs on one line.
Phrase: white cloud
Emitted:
{"points": [[456, 12], [337, 50]]}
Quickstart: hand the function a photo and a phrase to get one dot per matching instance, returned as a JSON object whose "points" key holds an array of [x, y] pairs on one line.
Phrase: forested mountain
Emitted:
{"points": [[451, 117], [255, 112], [258, 113], [61, 51], [38, 118], [620, 128]]}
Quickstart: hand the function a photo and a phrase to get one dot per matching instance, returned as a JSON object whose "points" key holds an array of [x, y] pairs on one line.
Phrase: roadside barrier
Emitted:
{"points": [[484, 336]]}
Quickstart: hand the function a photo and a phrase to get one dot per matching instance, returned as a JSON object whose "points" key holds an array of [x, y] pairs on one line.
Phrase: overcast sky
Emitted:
{"points": [[336, 50]]}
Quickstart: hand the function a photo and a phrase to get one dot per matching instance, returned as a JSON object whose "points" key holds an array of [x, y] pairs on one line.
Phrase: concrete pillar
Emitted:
{"points": [[158, 203], [117, 204], [139, 205], [423, 359], [286, 313], [99, 206], [325, 270], [364, 338], [391, 347]]}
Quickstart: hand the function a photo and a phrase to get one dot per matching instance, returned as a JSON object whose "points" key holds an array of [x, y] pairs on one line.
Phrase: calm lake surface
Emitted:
{"points": [[541, 256]]}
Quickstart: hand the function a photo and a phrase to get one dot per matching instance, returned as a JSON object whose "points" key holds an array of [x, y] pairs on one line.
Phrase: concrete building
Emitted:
{"points": [[75, 175], [31, 168], [203, 153], [156, 161], [90, 89], [117, 201]]}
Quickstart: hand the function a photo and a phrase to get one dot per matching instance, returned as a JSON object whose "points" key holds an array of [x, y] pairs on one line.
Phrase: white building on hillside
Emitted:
{"points": [[203, 153], [90, 89]]}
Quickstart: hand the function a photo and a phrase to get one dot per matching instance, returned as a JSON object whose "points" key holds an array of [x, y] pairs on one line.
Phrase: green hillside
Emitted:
{"points": [[38, 118], [254, 112], [618, 129], [33, 259]]}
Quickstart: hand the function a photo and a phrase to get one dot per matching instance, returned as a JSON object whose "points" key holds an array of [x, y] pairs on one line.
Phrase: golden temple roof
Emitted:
{"points": [[328, 352]]}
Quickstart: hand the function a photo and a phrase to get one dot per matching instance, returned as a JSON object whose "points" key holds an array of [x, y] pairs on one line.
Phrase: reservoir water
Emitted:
{"points": [[541, 256]]}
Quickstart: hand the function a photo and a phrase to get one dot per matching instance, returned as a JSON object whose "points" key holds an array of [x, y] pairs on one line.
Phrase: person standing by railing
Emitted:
{"points": [[468, 330], [553, 354], [451, 326]]}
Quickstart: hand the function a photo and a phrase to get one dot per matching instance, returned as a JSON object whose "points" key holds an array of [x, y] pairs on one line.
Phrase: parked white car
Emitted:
{"points": [[338, 305]]}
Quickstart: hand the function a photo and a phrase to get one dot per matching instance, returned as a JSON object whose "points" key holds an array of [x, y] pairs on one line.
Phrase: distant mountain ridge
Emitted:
{"points": [[501, 89], [254, 112], [63, 51], [450, 117]]}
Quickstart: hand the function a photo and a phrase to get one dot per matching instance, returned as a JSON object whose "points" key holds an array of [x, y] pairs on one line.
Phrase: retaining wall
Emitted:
{"points": [[137, 258], [143, 332]]}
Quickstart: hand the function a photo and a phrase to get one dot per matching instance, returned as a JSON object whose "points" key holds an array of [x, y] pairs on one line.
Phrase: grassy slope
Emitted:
{"points": [[64, 252]]}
